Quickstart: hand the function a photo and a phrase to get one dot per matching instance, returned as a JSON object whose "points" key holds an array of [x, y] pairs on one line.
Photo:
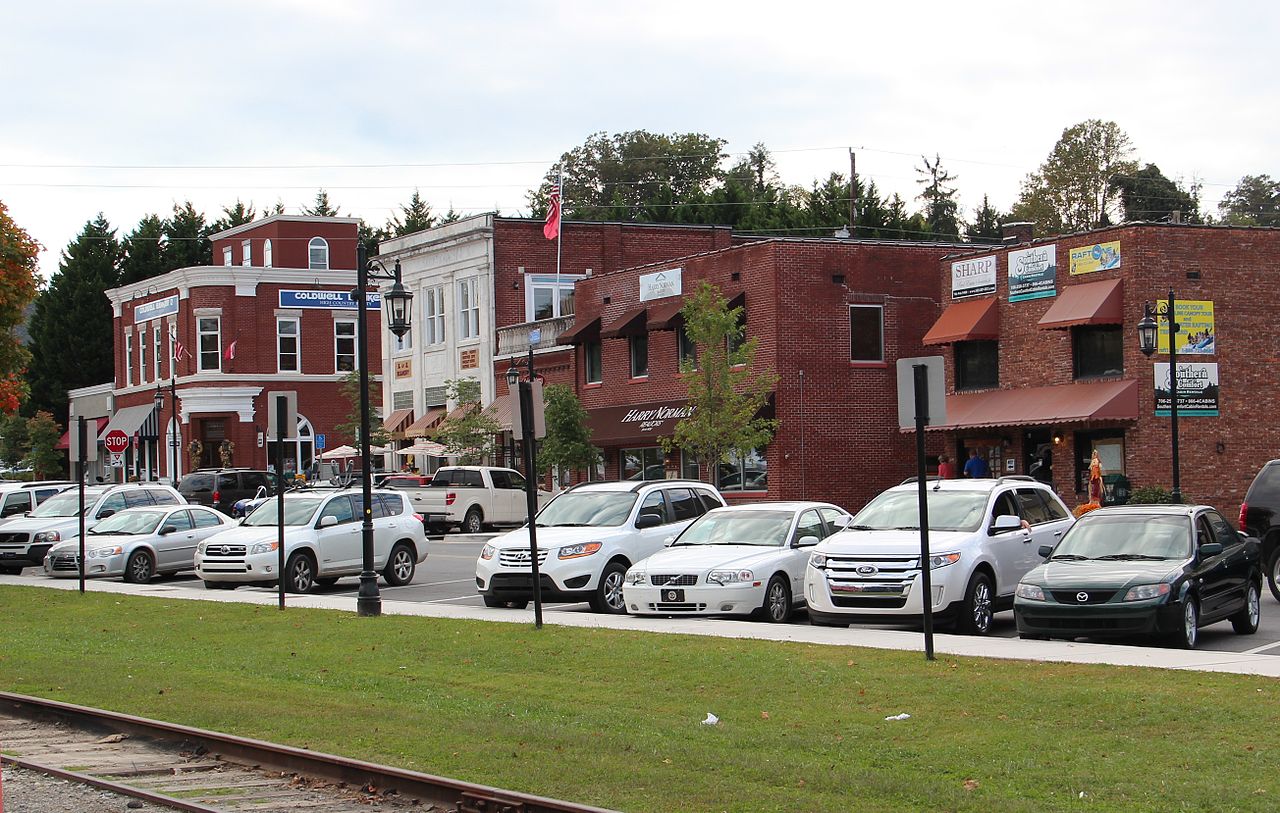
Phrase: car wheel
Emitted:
{"points": [[608, 595], [300, 573], [1273, 573], [1245, 622], [140, 567], [400, 566], [977, 610], [777, 601], [1186, 636], [473, 522]]}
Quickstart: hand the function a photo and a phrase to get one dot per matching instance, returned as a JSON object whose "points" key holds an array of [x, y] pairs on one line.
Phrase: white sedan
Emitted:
{"points": [[740, 560], [138, 543]]}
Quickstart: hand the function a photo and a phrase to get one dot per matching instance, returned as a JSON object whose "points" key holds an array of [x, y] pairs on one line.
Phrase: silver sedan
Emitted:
{"points": [[138, 543]]}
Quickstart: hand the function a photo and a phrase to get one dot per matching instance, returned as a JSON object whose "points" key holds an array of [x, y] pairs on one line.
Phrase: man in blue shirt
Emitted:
{"points": [[976, 467]]}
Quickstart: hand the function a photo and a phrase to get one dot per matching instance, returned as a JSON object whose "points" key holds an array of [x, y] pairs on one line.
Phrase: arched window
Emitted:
{"points": [[318, 251], [266, 254], [298, 451]]}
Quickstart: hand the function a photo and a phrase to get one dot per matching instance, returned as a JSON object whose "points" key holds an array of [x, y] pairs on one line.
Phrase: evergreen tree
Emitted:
{"points": [[986, 224], [567, 445], [417, 217], [470, 434], [233, 216], [1148, 195], [71, 330], [18, 285], [43, 433], [321, 207], [941, 212], [144, 251], [186, 238]]}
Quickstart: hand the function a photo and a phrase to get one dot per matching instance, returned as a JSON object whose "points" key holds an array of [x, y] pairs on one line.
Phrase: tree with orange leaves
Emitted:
{"points": [[18, 252]]}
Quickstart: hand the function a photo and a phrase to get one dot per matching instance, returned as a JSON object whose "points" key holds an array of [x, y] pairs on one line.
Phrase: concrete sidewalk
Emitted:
{"points": [[962, 645]]}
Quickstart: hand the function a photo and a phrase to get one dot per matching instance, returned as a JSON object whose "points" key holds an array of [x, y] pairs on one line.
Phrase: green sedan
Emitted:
{"points": [[1134, 570]]}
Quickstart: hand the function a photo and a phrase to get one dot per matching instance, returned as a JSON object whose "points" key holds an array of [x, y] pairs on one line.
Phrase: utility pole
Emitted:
{"points": [[853, 193]]}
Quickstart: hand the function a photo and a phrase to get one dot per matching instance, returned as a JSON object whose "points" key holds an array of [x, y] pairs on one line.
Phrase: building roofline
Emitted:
{"points": [[1128, 224], [255, 224], [198, 276]]}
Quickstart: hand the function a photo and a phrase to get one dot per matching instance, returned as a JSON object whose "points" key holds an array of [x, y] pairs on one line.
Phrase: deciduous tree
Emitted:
{"points": [[18, 256], [44, 433], [15, 440], [567, 445], [1254, 202], [349, 389], [1072, 190], [469, 431], [1147, 194]]}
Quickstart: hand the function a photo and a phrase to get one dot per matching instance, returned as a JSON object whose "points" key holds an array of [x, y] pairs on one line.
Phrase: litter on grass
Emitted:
{"points": [[711, 719], [902, 716]]}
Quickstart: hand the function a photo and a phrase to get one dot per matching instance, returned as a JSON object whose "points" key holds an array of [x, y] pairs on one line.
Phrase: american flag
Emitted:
{"points": [[552, 227], [179, 349]]}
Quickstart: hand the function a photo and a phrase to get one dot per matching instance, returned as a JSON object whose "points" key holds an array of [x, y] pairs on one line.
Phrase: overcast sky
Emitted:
{"points": [[125, 108]]}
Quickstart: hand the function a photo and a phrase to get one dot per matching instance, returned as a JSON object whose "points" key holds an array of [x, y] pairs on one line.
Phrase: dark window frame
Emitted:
{"points": [[638, 355], [1089, 343], [982, 354], [856, 329]]}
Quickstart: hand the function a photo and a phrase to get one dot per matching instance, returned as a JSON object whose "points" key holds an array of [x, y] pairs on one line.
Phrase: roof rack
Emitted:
{"points": [[928, 478], [1020, 478]]}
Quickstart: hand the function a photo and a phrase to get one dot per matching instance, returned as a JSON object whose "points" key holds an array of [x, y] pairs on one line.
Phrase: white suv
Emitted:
{"points": [[322, 542], [587, 538], [984, 535]]}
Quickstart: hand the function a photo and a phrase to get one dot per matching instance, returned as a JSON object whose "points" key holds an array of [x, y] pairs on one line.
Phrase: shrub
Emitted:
{"points": [[1150, 495], [1084, 508]]}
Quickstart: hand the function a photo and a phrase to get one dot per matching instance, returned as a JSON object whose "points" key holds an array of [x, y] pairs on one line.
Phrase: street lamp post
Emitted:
{"points": [[399, 315], [171, 439], [525, 390], [1147, 338]]}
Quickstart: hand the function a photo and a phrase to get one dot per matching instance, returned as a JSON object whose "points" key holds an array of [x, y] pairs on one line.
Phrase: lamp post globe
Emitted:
{"points": [[1147, 331]]}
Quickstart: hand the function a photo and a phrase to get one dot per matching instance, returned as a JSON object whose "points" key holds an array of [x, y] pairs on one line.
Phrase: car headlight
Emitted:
{"points": [[1030, 592], [938, 560], [818, 560], [635, 576], [264, 547], [103, 553], [1142, 592], [487, 551], [730, 576], [581, 549], [200, 547], [46, 537]]}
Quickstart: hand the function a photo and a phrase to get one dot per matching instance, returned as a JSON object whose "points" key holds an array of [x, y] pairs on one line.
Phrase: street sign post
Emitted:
{"points": [[321, 442]]}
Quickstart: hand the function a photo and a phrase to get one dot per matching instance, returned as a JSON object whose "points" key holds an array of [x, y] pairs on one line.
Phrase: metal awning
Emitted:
{"points": [[665, 315], [580, 331], [1042, 406], [132, 420], [1092, 303], [429, 420], [500, 410], [966, 320], [631, 323], [397, 420]]}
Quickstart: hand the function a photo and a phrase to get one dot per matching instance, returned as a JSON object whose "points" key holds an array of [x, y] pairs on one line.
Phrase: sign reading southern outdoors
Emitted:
{"points": [[973, 277], [1033, 273], [155, 309], [646, 420], [339, 300], [1197, 388], [1098, 257], [1195, 328], [659, 285]]}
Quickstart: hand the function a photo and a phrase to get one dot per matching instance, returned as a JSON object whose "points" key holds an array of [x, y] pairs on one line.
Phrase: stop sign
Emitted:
{"points": [[116, 441]]}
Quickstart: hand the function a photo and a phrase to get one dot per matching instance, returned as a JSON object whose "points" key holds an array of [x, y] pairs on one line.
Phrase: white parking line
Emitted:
{"points": [[1259, 649], [433, 584], [455, 598]]}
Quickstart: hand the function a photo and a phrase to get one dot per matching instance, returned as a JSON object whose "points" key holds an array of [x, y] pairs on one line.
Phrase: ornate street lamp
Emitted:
{"points": [[525, 390], [159, 402], [1147, 336], [399, 316]]}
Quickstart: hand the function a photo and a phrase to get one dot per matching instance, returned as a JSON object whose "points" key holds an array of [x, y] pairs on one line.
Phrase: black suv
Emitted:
{"points": [[221, 488], [1260, 517]]}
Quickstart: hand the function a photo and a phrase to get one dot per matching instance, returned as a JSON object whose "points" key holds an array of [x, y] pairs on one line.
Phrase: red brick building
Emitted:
{"points": [[1042, 352], [832, 317], [275, 315]]}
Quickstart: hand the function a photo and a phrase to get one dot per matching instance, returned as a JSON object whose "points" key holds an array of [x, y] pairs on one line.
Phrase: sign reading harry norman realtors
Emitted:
{"points": [[973, 277], [659, 285]]}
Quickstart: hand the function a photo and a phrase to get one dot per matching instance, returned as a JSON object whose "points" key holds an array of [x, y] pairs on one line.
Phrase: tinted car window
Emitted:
{"points": [[43, 494], [341, 508], [139, 497], [162, 497], [1031, 506], [180, 520], [810, 525], [516, 479], [653, 504], [226, 482], [834, 519], [16, 503], [392, 504], [254, 479], [708, 499], [683, 504], [1221, 528], [197, 482], [468, 478], [1266, 487], [205, 519], [113, 502], [1054, 507], [500, 479]]}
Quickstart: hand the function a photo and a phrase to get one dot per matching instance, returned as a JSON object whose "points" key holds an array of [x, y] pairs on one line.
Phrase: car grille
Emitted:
{"points": [[519, 557], [683, 580], [687, 607], [1091, 596], [871, 581], [65, 561], [14, 540], [221, 551], [1124, 624], [884, 603], [519, 583]]}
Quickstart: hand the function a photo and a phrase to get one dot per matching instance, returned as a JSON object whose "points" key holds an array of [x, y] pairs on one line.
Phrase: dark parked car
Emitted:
{"points": [[222, 488], [1260, 518], [1143, 570]]}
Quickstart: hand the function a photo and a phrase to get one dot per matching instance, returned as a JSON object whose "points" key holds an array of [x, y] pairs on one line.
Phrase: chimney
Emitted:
{"points": [[1022, 232]]}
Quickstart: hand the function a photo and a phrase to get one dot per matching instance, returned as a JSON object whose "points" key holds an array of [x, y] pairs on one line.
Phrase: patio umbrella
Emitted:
{"points": [[340, 451], [425, 447]]}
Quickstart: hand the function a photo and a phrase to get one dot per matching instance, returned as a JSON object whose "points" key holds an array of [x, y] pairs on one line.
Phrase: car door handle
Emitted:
{"points": [[1057, 533]]}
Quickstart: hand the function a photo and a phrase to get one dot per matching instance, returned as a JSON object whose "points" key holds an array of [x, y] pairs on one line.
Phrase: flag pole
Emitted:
{"points": [[560, 233]]}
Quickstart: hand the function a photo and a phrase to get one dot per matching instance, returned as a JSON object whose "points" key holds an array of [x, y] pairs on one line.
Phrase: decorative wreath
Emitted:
{"points": [[227, 450], [195, 448]]}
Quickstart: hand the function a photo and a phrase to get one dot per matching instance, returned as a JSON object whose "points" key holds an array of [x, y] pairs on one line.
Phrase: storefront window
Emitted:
{"points": [[977, 365], [641, 464], [688, 465], [1097, 350], [744, 473]]}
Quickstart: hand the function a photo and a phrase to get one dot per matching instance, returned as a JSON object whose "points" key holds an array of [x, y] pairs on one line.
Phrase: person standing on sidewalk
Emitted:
{"points": [[976, 468], [946, 469]]}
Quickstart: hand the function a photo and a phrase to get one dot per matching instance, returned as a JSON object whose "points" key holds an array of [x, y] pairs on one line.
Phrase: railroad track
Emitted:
{"points": [[200, 771]]}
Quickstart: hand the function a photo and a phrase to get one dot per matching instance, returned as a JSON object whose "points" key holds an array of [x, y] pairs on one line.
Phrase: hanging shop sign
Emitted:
{"points": [[1197, 388], [1033, 273], [1097, 257], [973, 277], [1196, 335]]}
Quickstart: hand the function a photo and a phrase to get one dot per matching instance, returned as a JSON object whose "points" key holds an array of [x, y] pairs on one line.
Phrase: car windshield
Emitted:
{"points": [[129, 523], [948, 511], [296, 512], [768, 529], [587, 509], [66, 504], [1127, 536]]}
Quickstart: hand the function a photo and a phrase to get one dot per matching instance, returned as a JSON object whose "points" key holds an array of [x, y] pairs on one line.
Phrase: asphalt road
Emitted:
{"points": [[448, 577]]}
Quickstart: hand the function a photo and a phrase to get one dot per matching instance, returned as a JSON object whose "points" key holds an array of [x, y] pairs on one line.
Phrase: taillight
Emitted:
{"points": [[217, 496], [1244, 509], [449, 497], [419, 517]]}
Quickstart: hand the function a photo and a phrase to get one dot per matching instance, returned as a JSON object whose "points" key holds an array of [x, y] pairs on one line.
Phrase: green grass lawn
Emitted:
{"points": [[613, 718]]}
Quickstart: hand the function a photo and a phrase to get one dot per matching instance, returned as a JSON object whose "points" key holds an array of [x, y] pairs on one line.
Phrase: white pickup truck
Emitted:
{"points": [[470, 498]]}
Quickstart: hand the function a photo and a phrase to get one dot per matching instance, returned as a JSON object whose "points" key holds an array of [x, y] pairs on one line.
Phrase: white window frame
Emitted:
{"points": [[433, 315], [201, 334], [128, 358], [142, 355], [297, 344], [338, 338], [544, 282], [246, 252], [266, 253], [157, 350], [317, 244], [469, 308], [868, 306], [226, 255]]}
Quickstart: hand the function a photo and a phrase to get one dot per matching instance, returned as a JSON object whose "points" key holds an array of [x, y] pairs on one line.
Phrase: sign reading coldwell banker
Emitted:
{"points": [[659, 285], [155, 309], [1197, 388], [339, 300], [1033, 273], [973, 277]]}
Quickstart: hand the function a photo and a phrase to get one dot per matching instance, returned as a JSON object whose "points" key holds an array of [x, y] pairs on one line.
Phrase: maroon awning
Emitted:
{"points": [[965, 321], [1043, 406], [1091, 303], [631, 323], [665, 315], [580, 331], [93, 428], [637, 423]]}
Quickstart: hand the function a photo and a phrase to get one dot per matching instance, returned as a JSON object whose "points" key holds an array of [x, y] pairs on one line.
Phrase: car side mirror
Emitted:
{"points": [[807, 541], [1210, 549], [168, 529], [1005, 523], [843, 522], [106, 512], [666, 543], [648, 521], [1045, 551], [328, 521]]}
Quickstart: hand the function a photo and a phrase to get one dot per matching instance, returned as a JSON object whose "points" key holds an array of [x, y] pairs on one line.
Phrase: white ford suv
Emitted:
{"points": [[587, 538], [322, 542], [984, 535]]}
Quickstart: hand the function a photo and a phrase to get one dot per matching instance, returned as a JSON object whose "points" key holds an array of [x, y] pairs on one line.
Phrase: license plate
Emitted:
{"points": [[672, 596]]}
